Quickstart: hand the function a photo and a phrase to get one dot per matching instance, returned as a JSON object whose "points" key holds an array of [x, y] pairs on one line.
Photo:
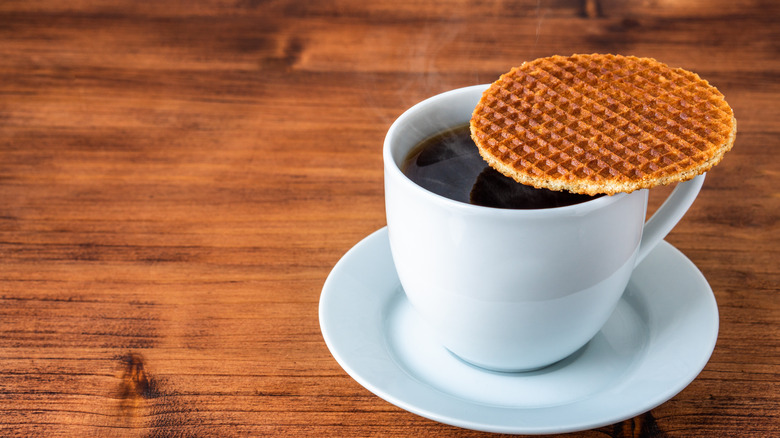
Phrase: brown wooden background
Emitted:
{"points": [[178, 178]]}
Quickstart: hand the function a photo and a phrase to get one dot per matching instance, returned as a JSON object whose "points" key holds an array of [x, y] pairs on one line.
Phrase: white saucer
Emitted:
{"points": [[657, 341]]}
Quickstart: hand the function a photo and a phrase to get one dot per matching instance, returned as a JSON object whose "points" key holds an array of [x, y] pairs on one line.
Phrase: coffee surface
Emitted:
{"points": [[449, 165]]}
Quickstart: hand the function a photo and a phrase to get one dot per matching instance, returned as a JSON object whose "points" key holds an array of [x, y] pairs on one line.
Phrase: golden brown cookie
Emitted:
{"points": [[601, 124]]}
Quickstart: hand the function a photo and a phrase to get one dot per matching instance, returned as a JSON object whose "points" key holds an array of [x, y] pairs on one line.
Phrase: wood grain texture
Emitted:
{"points": [[177, 179]]}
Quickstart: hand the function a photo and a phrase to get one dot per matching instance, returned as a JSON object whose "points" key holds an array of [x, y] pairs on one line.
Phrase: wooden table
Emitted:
{"points": [[178, 178]]}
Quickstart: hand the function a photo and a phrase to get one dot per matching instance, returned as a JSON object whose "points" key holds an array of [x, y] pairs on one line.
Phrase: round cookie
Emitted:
{"points": [[598, 123]]}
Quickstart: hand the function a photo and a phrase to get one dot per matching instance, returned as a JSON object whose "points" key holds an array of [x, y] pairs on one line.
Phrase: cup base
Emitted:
{"points": [[557, 364]]}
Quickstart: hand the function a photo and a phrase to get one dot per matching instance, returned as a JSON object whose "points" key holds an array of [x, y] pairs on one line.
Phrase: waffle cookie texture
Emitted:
{"points": [[597, 123]]}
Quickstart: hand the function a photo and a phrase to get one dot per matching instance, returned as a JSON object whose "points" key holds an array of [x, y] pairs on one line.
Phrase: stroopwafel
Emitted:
{"points": [[597, 123]]}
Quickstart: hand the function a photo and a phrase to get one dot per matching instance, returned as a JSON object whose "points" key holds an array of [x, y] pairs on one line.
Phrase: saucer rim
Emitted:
{"points": [[708, 339]]}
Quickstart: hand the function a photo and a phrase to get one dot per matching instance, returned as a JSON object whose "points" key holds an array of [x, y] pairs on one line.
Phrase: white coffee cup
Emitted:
{"points": [[512, 290]]}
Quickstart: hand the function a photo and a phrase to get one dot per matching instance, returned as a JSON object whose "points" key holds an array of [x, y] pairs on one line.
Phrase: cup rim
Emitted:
{"points": [[393, 170]]}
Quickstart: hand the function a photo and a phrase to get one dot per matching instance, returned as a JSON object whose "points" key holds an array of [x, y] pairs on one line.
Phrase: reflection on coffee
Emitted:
{"points": [[449, 165]]}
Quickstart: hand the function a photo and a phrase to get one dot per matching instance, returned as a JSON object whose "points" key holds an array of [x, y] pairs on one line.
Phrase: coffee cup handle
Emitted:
{"points": [[668, 214]]}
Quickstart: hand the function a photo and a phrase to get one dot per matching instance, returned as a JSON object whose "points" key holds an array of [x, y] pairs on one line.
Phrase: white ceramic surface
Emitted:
{"points": [[511, 289], [657, 340]]}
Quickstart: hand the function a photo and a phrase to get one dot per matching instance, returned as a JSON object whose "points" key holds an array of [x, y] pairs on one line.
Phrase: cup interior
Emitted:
{"points": [[429, 117], [440, 113]]}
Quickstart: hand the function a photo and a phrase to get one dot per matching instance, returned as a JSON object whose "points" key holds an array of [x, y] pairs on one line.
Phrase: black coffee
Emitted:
{"points": [[449, 165]]}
